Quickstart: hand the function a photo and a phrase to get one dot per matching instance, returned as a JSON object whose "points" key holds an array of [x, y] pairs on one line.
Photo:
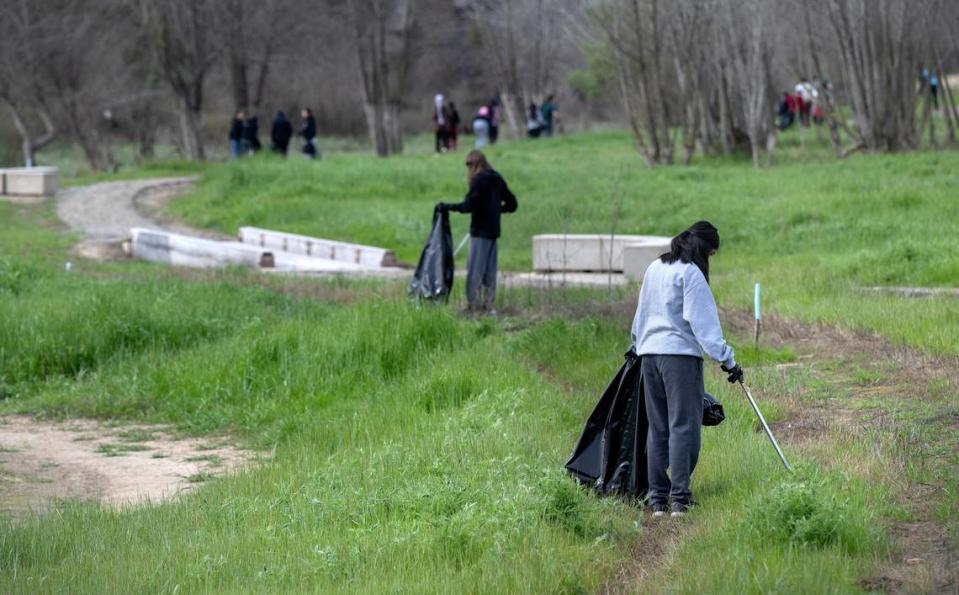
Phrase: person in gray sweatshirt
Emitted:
{"points": [[676, 323]]}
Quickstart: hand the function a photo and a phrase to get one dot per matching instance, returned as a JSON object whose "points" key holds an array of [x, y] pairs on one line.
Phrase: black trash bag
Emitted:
{"points": [[433, 279], [713, 413], [610, 456]]}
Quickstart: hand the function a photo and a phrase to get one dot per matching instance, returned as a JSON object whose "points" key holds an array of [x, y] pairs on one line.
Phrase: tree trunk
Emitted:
{"points": [[30, 145], [191, 122]]}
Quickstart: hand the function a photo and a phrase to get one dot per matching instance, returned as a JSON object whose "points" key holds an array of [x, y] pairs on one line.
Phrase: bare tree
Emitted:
{"points": [[631, 29], [878, 43], [255, 32], [21, 88], [748, 56], [180, 32], [384, 43], [521, 38]]}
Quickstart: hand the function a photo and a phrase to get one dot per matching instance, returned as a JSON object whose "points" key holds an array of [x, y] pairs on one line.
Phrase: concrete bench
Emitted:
{"points": [[588, 252], [29, 181], [171, 248], [182, 250], [636, 257], [291, 243]]}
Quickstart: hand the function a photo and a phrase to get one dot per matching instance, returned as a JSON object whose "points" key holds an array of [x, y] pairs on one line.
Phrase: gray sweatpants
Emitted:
{"points": [[674, 407], [481, 274]]}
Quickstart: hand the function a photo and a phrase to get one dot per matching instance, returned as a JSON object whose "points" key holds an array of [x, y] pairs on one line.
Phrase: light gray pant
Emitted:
{"points": [[481, 274], [674, 407]]}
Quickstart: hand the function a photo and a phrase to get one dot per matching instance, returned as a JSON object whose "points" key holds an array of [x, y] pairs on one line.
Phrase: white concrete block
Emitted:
{"points": [[176, 249], [637, 257], [584, 252], [181, 250], [31, 181], [278, 241]]}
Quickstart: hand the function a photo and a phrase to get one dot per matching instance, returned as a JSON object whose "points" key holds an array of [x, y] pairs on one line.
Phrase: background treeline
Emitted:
{"points": [[684, 76]]}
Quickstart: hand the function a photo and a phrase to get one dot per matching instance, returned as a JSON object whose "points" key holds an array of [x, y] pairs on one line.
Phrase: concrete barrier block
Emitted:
{"points": [[278, 241], [584, 252], [31, 181], [181, 250], [637, 257], [176, 249]]}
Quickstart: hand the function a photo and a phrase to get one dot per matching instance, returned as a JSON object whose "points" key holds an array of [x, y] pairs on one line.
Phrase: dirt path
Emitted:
{"points": [[42, 462], [104, 213], [849, 386], [861, 388]]}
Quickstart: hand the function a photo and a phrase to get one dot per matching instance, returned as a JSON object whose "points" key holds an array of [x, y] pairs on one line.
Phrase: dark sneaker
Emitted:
{"points": [[659, 510], [679, 510]]}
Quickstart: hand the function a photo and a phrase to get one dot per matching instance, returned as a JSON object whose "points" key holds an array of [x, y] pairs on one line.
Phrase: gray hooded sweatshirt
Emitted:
{"points": [[677, 315]]}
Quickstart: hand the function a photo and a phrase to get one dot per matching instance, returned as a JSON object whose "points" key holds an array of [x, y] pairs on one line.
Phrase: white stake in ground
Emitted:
{"points": [[758, 323]]}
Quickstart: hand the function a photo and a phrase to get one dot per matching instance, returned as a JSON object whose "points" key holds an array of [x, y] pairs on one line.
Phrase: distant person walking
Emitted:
{"points": [[495, 116], [308, 132], [440, 123], [251, 136], [534, 125], [452, 127], [236, 134], [488, 197], [934, 90], [676, 323], [280, 134], [481, 128], [548, 112]]}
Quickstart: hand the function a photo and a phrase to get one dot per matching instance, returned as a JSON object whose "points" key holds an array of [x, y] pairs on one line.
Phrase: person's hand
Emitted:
{"points": [[735, 373], [442, 207], [631, 355]]}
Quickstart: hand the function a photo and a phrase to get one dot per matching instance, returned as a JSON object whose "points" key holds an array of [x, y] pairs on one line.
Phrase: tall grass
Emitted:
{"points": [[812, 228], [414, 451], [417, 451]]}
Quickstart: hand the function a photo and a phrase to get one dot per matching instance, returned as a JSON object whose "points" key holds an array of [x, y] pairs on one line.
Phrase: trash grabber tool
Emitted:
{"points": [[460, 247], [762, 420]]}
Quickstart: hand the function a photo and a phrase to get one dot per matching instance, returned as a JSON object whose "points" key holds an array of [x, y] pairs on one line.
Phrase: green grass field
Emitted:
{"points": [[812, 229], [417, 451]]}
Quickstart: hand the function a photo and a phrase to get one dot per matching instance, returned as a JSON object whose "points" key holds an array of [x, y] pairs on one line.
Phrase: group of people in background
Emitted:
{"points": [[540, 121], [446, 121], [801, 104], [245, 132]]}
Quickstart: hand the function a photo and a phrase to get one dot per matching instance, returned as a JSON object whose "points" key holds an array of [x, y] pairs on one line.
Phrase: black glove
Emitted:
{"points": [[631, 355], [735, 373], [442, 207]]}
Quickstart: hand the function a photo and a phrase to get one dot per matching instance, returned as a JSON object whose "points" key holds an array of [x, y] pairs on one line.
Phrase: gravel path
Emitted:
{"points": [[104, 213], [107, 211]]}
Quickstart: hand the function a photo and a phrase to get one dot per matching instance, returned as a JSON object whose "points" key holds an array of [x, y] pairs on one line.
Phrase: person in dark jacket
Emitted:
{"points": [[454, 124], [251, 135], [495, 115], [280, 133], [308, 132], [236, 134], [488, 197]]}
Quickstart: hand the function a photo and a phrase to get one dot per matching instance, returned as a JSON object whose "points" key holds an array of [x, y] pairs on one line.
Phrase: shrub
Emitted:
{"points": [[810, 510]]}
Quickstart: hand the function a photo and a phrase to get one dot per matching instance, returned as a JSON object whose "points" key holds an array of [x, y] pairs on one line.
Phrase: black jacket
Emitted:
{"points": [[236, 129], [281, 132], [488, 196], [308, 128]]}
